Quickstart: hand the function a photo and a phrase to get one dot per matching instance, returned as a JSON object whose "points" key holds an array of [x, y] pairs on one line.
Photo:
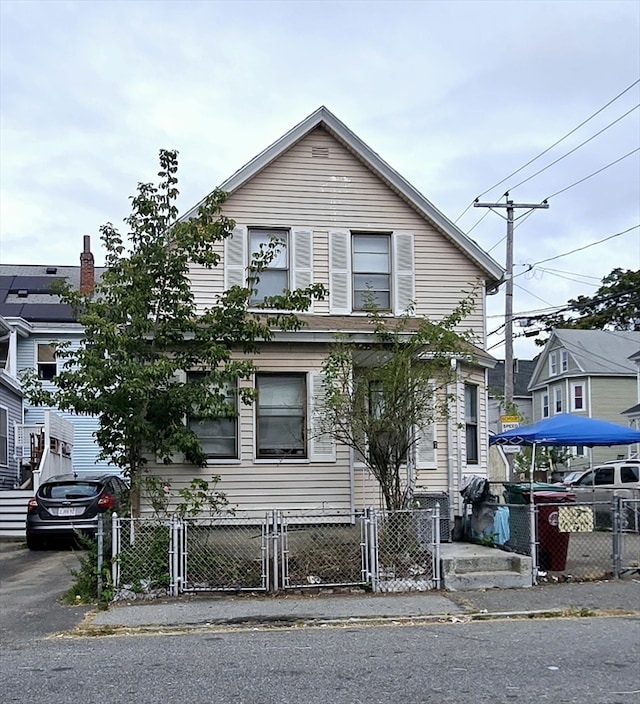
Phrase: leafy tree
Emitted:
{"points": [[379, 395], [614, 306], [142, 330]]}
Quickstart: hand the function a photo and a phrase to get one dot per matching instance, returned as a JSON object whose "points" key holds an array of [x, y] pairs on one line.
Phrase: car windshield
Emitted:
{"points": [[69, 490]]}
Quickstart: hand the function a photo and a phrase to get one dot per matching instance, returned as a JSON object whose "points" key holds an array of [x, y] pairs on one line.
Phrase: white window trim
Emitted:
{"points": [[573, 397], [6, 433], [564, 360], [557, 396], [542, 404], [553, 364]]}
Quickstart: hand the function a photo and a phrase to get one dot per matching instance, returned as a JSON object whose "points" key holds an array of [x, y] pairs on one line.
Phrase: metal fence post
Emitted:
{"points": [[100, 554], [374, 550], [174, 557], [533, 540], [274, 548], [616, 535], [115, 550], [436, 546]]}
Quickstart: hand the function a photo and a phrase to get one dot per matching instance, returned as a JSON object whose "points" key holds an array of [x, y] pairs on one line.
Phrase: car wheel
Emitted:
{"points": [[34, 543]]}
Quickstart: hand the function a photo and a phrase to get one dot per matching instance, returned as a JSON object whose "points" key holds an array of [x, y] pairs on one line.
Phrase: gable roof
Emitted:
{"points": [[595, 352], [325, 119], [521, 377], [25, 291]]}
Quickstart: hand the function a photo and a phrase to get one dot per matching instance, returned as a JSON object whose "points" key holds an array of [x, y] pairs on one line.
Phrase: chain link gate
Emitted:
{"points": [[384, 551]]}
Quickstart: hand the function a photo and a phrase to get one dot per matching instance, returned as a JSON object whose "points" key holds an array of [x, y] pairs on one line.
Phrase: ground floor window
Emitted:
{"points": [[471, 422], [4, 437], [281, 416], [217, 436]]}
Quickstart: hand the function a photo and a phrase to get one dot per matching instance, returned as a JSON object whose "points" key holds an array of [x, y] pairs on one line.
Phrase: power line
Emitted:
{"points": [[564, 156], [579, 249], [548, 149], [557, 193]]}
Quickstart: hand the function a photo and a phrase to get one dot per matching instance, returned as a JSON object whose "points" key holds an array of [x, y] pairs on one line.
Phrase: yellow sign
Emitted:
{"points": [[509, 419]]}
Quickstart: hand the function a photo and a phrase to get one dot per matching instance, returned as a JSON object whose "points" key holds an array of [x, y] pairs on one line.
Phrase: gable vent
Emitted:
{"points": [[320, 152]]}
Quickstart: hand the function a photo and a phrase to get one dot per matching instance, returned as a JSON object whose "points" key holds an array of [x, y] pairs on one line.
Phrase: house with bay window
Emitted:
{"points": [[587, 372], [342, 217]]}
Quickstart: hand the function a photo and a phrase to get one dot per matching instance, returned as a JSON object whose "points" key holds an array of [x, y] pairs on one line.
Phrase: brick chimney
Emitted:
{"points": [[87, 278]]}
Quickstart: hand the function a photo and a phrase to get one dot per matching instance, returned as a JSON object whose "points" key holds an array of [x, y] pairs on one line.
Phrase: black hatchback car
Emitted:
{"points": [[68, 504]]}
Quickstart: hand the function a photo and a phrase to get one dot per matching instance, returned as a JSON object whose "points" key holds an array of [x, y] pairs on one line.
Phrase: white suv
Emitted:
{"points": [[602, 483]]}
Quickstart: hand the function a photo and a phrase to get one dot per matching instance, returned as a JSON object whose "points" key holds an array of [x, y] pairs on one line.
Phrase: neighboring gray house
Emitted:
{"points": [[587, 372], [633, 414], [33, 320], [522, 372]]}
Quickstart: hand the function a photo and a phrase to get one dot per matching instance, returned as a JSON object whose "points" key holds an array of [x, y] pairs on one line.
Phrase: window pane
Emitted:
{"points": [[281, 415], [371, 243], [272, 283], [46, 353], [217, 437], [604, 475], [378, 299], [471, 403], [264, 237], [370, 262], [629, 474]]}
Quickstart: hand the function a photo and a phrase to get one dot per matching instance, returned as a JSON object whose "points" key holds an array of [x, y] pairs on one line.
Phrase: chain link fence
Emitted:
{"points": [[573, 537], [382, 551]]}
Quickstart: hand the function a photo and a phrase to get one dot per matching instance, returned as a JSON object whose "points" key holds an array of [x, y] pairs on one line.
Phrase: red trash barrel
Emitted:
{"points": [[552, 544]]}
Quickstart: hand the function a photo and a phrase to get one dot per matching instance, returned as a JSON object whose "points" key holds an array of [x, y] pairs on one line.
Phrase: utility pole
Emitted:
{"points": [[508, 304]]}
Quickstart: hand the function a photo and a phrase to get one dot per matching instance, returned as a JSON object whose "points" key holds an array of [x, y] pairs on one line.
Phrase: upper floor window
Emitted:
{"points": [[545, 405], [371, 271], [553, 363], [47, 366], [281, 416], [577, 397], [564, 360], [274, 279], [471, 422], [217, 436], [557, 400]]}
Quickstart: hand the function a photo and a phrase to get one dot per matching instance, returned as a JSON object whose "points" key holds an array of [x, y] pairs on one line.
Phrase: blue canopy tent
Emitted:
{"points": [[566, 429], [563, 430]]}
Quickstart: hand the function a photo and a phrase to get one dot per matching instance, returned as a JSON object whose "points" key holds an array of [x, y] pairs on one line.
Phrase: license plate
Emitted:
{"points": [[66, 512]]}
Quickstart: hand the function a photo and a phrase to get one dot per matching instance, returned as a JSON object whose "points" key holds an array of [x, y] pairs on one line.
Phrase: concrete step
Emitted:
{"points": [[469, 566]]}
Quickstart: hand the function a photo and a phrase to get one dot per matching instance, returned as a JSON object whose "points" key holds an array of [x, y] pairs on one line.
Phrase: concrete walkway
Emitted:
{"points": [[579, 599]]}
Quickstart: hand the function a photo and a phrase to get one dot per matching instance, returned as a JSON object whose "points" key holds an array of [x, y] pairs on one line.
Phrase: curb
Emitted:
{"points": [[238, 625]]}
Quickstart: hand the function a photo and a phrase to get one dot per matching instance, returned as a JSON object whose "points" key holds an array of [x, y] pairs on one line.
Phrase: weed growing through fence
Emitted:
{"points": [[144, 564], [85, 588]]}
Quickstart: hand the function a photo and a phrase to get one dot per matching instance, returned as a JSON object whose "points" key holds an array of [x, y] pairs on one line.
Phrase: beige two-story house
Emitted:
{"points": [[347, 220]]}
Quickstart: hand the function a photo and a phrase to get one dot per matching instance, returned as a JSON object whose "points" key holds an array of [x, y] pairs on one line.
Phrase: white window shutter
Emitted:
{"points": [[235, 258], [302, 259], [340, 272], [403, 272], [322, 446]]}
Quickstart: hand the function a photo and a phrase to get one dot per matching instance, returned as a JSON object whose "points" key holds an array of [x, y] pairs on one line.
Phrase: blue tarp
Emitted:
{"points": [[567, 429]]}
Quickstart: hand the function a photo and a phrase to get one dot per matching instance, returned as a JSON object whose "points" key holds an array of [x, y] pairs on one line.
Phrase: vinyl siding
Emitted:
{"points": [[340, 193], [85, 449], [12, 404]]}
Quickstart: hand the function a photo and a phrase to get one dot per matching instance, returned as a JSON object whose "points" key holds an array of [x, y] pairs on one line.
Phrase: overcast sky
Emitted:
{"points": [[456, 96]]}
